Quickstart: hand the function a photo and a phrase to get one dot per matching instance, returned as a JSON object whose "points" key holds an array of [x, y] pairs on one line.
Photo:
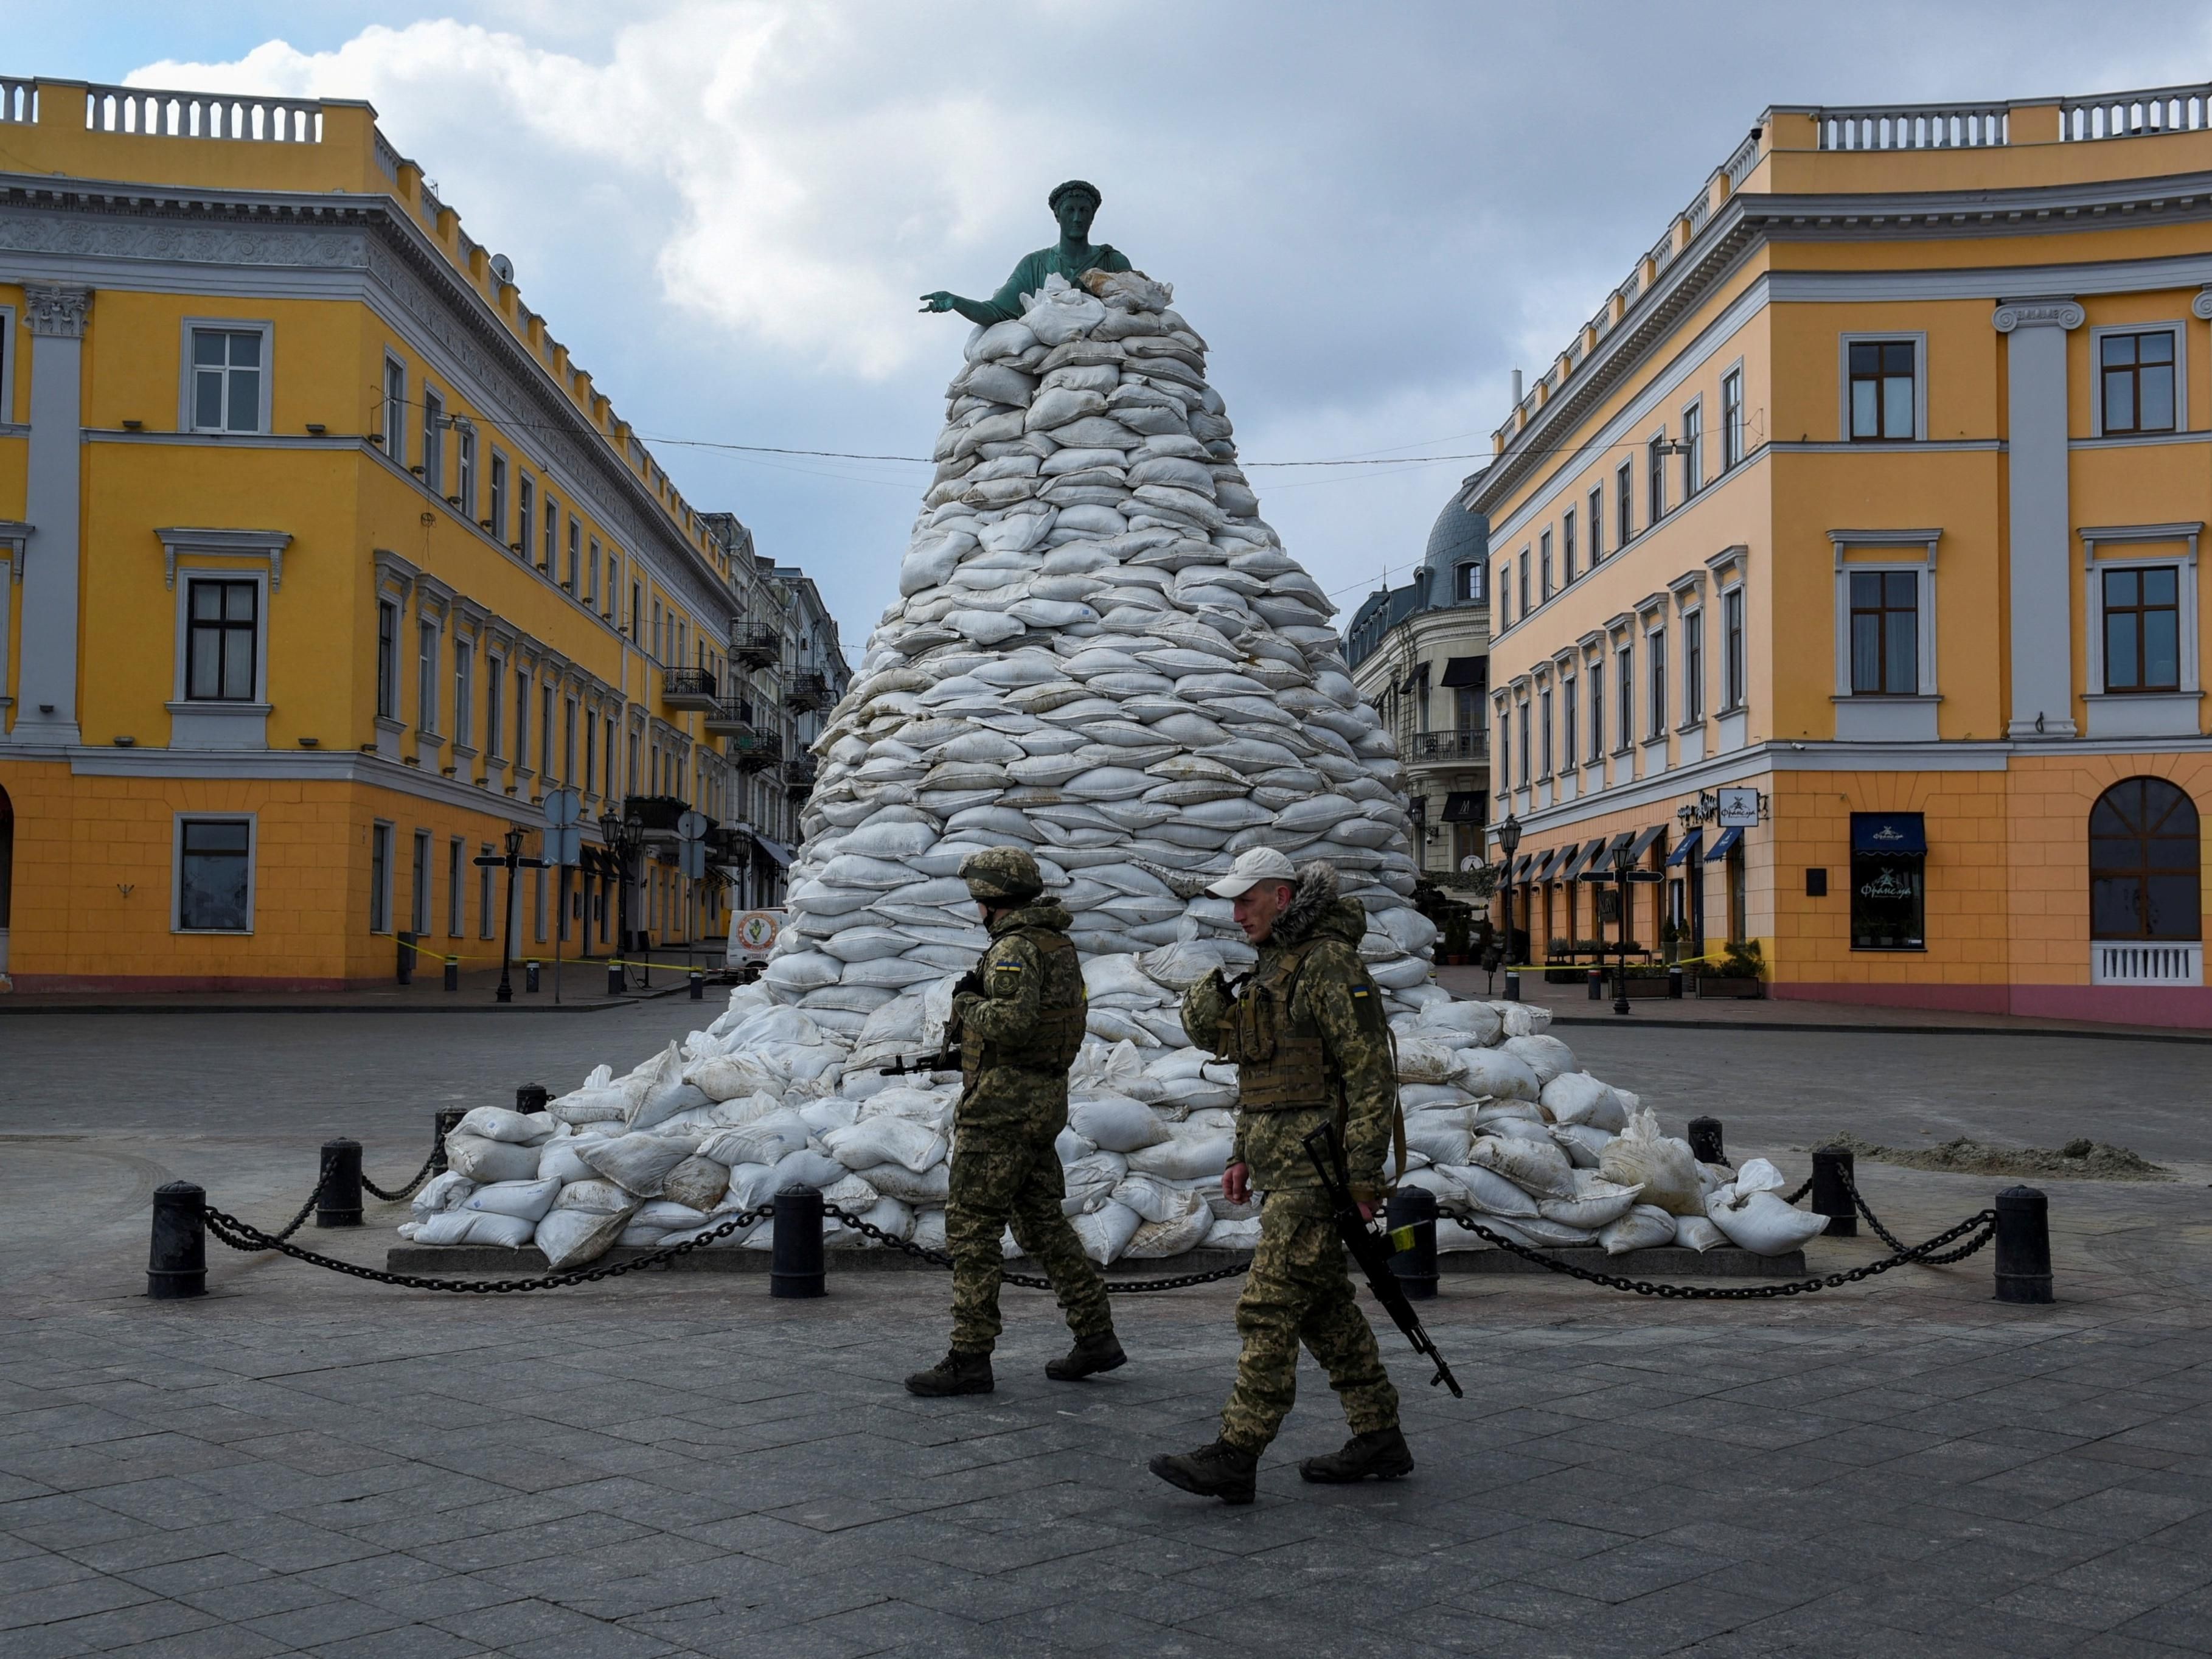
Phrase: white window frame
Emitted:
{"points": [[1729, 464], [1861, 337], [1655, 653], [464, 689], [456, 902], [487, 891], [1892, 544], [495, 519], [1691, 418], [395, 411], [381, 892], [195, 570], [525, 506], [1690, 670], [428, 670], [433, 438], [465, 470], [2180, 333], [176, 821], [189, 326], [2095, 561], [1654, 477], [422, 868], [8, 350]]}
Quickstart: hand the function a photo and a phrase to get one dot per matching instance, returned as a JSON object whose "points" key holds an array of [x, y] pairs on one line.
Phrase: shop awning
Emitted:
{"points": [[1521, 870], [1687, 849], [1902, 834], [1463, 806], [1573, 866], [1598, 866], [775, 849], [1465, 671], [1642, 842], [1721, 848], [1546, 860]]}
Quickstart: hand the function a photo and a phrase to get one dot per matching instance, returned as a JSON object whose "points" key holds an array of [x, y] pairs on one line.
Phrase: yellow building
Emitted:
{"points": [[320, 564], [1874, 494]]}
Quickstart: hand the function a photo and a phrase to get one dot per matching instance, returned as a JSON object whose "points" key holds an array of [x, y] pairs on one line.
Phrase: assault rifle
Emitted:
{"points": [[1372, 1249], [946, 1059]]}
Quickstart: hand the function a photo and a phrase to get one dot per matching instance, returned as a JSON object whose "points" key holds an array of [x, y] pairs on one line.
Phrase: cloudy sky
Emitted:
{"points": [[1373, 212]]}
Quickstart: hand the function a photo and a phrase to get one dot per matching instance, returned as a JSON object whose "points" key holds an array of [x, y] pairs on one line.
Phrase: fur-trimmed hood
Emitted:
{"points": [[1319, 909]]}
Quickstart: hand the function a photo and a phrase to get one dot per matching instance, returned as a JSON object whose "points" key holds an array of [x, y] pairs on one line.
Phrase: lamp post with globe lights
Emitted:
{"points": [[1509, 838]]}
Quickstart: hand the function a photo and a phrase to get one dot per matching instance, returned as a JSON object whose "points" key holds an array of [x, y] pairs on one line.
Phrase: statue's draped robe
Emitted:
{"points": [[1029, 277]]}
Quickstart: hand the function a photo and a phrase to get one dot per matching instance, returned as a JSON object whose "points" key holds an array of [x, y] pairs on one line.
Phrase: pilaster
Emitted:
{"points": [[2042, 691], [46, 678]]}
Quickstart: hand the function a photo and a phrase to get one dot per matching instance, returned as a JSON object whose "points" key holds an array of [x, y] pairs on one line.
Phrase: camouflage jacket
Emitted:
{"points": [[1020, 1033], [1332, 1042]]}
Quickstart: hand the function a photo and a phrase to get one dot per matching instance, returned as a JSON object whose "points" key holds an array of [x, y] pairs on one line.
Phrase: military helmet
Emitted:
{"points": [[999, 875]]}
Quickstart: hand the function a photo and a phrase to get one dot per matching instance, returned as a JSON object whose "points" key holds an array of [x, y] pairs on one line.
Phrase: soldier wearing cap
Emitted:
{"points": [[1019, 1018], [1307, 1031]]}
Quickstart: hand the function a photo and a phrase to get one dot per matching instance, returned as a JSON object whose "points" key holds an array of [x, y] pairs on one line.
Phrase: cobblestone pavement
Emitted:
{"points": [[305, 1463]]}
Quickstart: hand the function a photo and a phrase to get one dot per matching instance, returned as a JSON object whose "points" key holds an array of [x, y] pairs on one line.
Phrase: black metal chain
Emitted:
{"points": [[941, 1258], [240, 1236], [1801, 1191], [398, 1193], [1873, 1221], [306, 1210], [1923, 1253]]}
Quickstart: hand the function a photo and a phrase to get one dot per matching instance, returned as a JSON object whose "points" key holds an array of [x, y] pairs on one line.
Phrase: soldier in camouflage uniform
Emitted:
{"points": [[1019, 1018], [1307, 1031]]}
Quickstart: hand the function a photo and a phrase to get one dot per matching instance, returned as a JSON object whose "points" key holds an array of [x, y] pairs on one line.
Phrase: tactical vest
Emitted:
{"points": [[1052, 1043], [1281, 1065]]}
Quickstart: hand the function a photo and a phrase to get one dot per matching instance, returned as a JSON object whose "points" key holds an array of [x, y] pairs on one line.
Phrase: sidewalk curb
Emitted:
{"points": [[594, 1005], [1625, 1023]]}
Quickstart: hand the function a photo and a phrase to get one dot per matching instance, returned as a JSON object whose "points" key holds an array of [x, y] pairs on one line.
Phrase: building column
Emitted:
{"points": [[47, 679], [2042, 701]]}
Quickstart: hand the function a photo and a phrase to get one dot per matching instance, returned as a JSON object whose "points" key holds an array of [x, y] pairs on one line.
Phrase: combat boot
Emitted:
{"points": [[1380, 1455], [1219, 1470], [1089, 1355], [957, 1373]]}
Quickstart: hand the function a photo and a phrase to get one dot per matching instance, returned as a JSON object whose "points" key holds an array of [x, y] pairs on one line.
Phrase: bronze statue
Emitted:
{"points": [[1074, 204]]}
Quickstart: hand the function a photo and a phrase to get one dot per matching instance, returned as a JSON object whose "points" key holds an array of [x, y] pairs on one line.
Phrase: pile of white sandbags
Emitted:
{"points": [[1500, 1125], [1101, 655]]}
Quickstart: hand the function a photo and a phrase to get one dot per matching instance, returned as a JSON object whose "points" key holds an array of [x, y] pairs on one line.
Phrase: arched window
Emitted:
{"points": [[2144, 863]]}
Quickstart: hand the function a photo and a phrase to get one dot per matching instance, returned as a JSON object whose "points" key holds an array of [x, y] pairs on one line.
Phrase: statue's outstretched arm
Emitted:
{"points": [[1003, 307]]}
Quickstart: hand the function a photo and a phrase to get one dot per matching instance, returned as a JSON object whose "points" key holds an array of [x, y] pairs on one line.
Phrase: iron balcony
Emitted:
{"points": [[688, 688]]}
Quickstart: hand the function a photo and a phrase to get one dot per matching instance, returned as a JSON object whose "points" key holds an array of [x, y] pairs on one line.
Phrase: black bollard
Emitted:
{"points": [[529, 977], [2023, 1245], [1513, 985], [698, 985], [452, 973], [443, 1122], [531, 1097], [794, 1264], [1705, 1140], [338, 1203], [1597, 985], [176, 1266], [1675, 984], [1414, 1209], [406, 965], [614, 979], [1832, 1169]]}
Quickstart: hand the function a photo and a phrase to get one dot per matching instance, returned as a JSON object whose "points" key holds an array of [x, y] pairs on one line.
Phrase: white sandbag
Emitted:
{"points": [[1645, 1227], [931, 1186], [598, 1195], [731, 1077], [807, 1168], [1152, 1198], [499, 1123], [1421, 1096], [1757, 1175], [1443, 1135], [447, 1191], [604, 1104], [928, 1229], [466, 1227], [668, 1215], [886, 1138], [572, 1238], [638, 1162], [698, 1180], [1423, 1061], [1087, 1183], [1696, 1232], [1491, 1191], [764, 1140], [1583, 1146], [1537, 1168], [1181, 1230], [1105, 1232], [529, 1199], [1117, 1122], [1524, 1018], [1642, 1157], [1184, 1157], [557, 1161], [1477, 1023], [1226, 1234], [1578, 1098], [1760, 1222], [1493, 1072], [1596, 1202], [489, 1161], [1546, 1056], [664, 1102]]}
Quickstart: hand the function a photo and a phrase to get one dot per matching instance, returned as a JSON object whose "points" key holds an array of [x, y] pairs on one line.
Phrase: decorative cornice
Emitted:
{"points": [[2036, 313], [56, 311], [268, 545]]}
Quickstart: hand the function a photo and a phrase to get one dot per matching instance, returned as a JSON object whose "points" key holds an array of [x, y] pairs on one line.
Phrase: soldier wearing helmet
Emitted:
{"points": [[1018, 1015]]}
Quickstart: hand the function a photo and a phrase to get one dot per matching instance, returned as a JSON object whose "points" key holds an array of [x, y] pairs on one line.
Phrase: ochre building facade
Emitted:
{"points": [[1872, 502]]}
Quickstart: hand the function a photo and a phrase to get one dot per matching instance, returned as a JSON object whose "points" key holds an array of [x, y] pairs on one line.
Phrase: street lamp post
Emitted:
{"points": [[622, 837], [1622, 862], [1509, 837], [513, 859]]}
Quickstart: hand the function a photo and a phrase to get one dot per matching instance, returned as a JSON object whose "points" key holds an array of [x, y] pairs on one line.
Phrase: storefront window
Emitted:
{"points": [[1889, 857]]}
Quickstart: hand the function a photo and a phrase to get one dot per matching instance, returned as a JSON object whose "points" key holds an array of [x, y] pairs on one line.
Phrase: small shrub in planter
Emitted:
{"points": [[1742, 968]]}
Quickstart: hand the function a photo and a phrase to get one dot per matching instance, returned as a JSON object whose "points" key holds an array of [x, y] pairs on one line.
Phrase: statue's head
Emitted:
{"points": [[1075, 203]]}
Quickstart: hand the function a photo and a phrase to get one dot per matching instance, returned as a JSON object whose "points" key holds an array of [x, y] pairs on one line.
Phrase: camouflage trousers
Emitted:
{"points": [[1299, 1290], [1010, 1176]]}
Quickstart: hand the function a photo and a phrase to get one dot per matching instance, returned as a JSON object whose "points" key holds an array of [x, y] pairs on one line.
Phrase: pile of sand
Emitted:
{"points": [[2078, 1160]]}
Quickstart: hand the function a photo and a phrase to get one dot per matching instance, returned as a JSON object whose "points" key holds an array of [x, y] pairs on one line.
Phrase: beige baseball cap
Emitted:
{"points": [[1252, 867]]}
